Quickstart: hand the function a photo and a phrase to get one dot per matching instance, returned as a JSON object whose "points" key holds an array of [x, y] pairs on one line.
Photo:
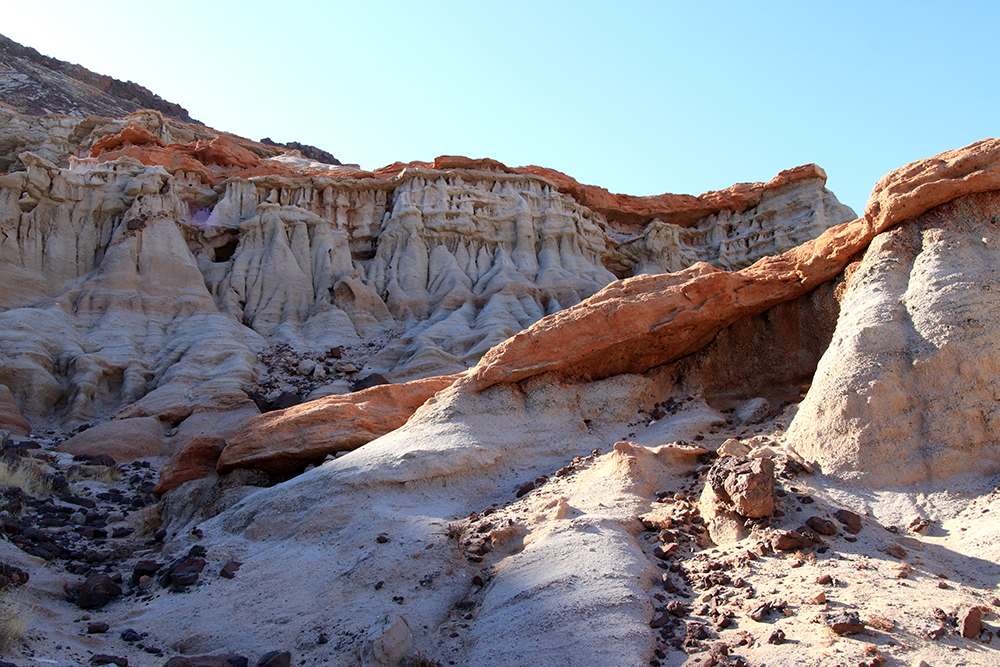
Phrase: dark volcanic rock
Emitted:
{"points": [[821, 525], [97, 591], [850, 520], [184, 573], [313, 153], [102, 659], [789, 540], [746, 483], [368, 382], [229, 569], [844, 623], [10, 575]]}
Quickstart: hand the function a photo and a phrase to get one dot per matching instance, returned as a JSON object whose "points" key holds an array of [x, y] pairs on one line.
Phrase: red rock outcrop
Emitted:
{"points": [[287, 440], [213, 160], [628, 211], [195, 460], [920, 186], [639, 323], [634, 212], [11, 418], [228, 156]]}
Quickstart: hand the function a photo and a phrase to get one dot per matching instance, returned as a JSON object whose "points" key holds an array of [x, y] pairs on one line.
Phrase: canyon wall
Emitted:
{"points": [[150, 262]]}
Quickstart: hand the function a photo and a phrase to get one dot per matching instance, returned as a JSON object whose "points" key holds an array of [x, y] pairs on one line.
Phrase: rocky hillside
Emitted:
{"points": [[263, 409], [38, 84]]}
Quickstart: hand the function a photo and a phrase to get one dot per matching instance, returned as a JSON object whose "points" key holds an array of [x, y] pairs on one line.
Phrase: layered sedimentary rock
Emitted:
{"points": [[637, 324], [151, 261]]}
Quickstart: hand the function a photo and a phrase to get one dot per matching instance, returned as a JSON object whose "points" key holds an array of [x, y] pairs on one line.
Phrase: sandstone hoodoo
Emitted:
{"points": [[260, 407]]}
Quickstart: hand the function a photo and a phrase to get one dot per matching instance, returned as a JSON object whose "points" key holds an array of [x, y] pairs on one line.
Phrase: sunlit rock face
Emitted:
{"points": [[149, 262]]}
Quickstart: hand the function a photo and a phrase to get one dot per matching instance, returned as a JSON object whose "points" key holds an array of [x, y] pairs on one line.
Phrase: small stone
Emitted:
{"points": [[821, 525], [943, 585], [844, 623], [382, 539], [184, 573], [895, 551], [777, 637], [824, 580], [102, 659], [971, 622], [675, 608], [97, 628], [819, 598], [525, 488], [789, 540], [850, 521], [229, 569], [660, 621], [131, 635], [97, 591], [760, 611], [368, 381], [664, 552]]}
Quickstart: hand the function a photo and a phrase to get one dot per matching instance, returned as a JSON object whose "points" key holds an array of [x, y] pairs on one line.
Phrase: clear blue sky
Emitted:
{"points": [[637, 97]]}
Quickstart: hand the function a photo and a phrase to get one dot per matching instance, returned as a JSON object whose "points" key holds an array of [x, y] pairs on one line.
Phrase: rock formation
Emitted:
{"points": [[907, 390], [154, 269], [287, 440], [619, 430]]}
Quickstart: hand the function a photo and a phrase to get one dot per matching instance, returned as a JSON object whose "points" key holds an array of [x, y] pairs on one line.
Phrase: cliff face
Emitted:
{"points": [[162, 258]]}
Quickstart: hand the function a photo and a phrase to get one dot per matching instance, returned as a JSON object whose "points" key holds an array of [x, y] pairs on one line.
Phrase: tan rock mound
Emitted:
{"points": [[124, 440], [287, 440], [908, 389]]}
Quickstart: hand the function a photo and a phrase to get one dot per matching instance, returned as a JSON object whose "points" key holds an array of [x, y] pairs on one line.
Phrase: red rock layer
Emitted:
{"points": [[640, 323], [628, 210], [213, 160], [286, 440], [228, 156]]}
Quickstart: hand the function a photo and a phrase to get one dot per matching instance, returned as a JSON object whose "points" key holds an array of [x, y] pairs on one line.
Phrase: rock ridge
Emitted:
{"points": [[639, 323]]}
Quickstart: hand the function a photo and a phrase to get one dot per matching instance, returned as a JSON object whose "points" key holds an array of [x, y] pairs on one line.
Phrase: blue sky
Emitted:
{"points": [[637, 97]]}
